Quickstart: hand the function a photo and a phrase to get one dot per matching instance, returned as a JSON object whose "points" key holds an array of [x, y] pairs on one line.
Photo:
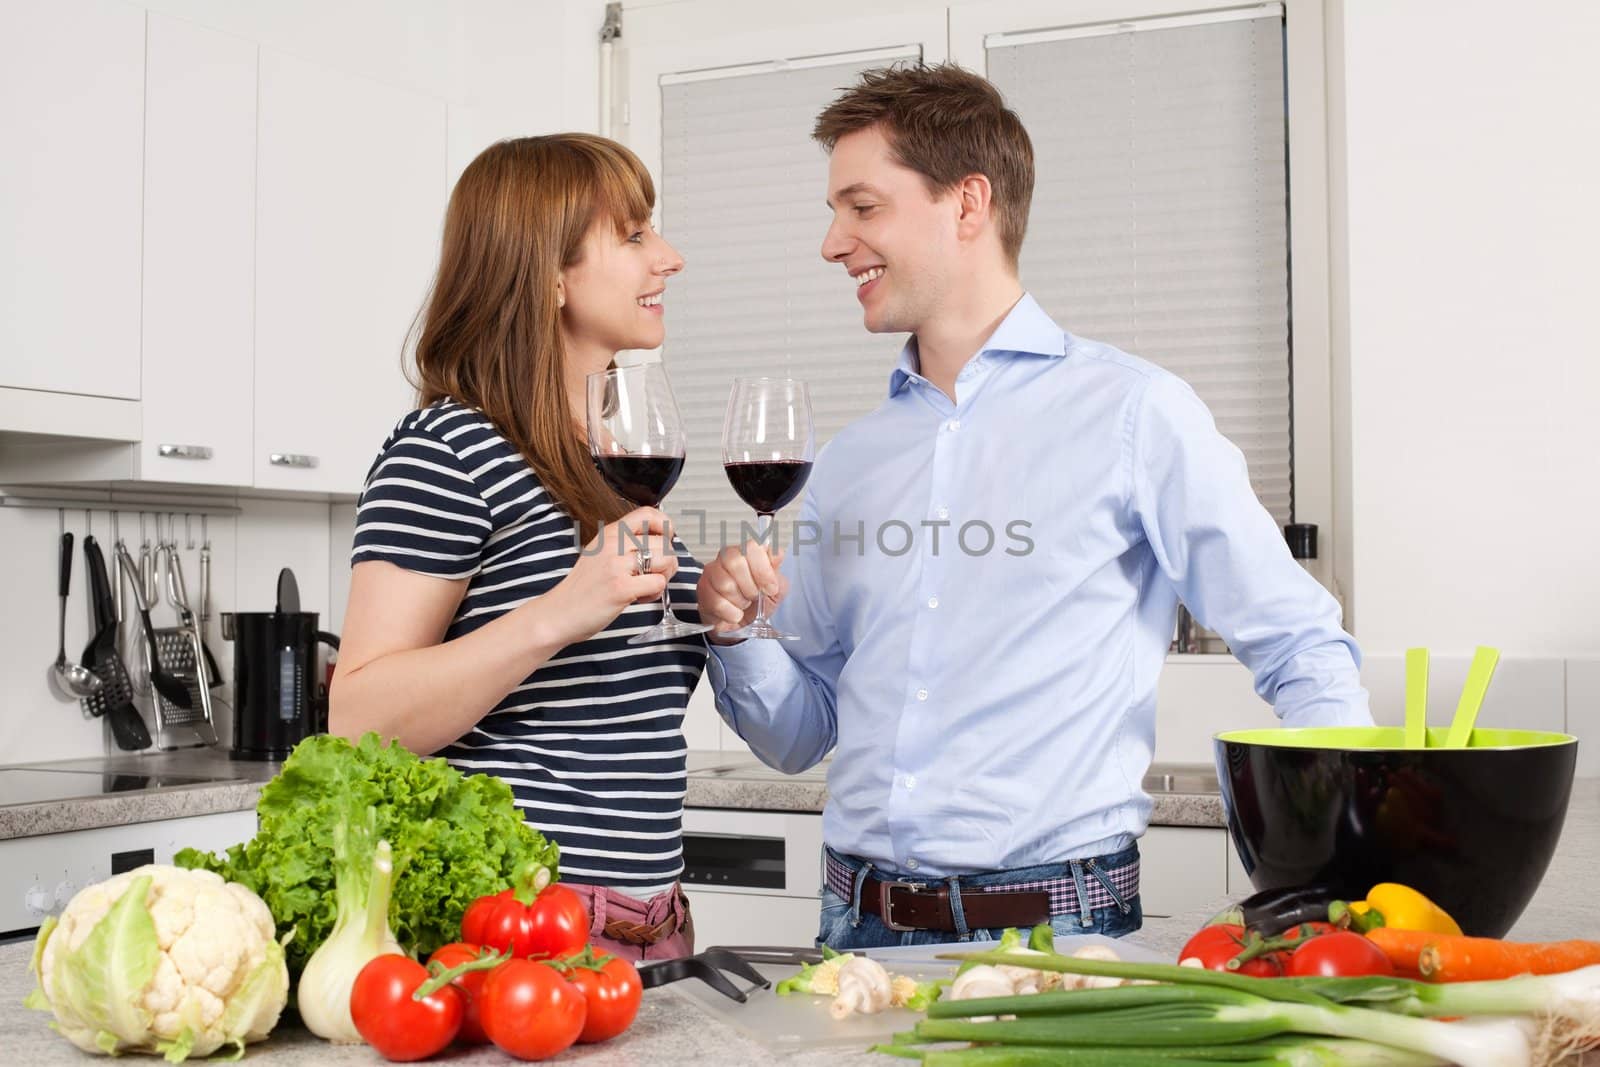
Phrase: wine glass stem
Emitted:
{"points": [[763, 524]]}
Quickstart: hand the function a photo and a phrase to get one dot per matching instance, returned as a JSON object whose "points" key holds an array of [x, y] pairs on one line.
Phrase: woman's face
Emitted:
{"points": [[613, 294]]}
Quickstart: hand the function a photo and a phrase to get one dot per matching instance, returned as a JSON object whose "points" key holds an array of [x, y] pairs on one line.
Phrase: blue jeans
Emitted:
{"points": [[844, 929]]}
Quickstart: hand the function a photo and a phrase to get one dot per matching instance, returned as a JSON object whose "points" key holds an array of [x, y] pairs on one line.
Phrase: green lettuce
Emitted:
{"points": [[456, 837]]}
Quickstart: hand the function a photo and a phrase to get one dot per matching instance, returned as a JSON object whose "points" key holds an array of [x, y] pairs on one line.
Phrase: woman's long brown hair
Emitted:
{"points": [[491, 330]]}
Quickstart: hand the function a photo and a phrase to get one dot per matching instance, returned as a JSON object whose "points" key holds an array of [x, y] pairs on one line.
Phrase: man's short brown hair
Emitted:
{"points": [[945, 123]]}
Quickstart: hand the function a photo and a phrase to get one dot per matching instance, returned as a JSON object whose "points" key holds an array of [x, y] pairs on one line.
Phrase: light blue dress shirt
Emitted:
{"points": [[984, 593]]}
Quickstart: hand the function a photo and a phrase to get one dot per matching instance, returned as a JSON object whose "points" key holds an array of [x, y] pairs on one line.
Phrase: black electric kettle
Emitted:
{"points": [[278, 700]]}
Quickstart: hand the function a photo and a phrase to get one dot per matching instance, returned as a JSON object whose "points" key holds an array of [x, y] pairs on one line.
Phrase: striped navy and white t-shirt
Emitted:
{"points": [[592, 742]]}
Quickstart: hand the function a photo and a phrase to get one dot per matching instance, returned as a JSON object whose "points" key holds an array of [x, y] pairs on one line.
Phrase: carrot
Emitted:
{"points": [[1403, 947], [1473, 959]]}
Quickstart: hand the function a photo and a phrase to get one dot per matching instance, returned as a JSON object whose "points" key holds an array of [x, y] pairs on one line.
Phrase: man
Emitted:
{"points": [[1003, 544]]}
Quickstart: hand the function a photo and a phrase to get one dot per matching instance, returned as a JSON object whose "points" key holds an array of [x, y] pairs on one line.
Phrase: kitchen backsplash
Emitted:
{"points": [[247, 550]]}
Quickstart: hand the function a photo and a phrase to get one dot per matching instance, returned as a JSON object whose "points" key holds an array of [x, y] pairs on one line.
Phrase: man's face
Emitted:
{"points": [[897, 241]]}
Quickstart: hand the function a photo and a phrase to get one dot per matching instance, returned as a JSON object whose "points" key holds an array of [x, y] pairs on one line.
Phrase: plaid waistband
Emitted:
{"points": [[840, 878]]}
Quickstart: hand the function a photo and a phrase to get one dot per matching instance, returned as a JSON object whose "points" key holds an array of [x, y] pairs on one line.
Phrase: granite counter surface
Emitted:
{"points": [[716, 780], [671, 1030]]}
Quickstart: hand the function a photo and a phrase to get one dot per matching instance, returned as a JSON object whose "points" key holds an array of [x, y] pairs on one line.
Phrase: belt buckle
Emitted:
{"points": [[886, 904]]}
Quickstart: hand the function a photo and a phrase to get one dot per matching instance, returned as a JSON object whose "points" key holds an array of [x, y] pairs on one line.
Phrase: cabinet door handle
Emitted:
{"points": [[292, 459], [184, 451]]}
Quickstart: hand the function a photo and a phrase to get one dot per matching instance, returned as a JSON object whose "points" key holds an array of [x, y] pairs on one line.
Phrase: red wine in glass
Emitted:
{"points": [[768, 485], [641, 480], [768, 445], [637, 441]]}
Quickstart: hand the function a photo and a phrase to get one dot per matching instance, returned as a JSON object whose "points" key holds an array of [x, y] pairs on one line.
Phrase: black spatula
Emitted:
{"points": [[114, 699]]}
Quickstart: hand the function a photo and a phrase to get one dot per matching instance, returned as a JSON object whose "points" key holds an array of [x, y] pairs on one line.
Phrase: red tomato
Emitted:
{"points": [[1301, 931], [395, 1023], [1341, 954], [552, 924], [530, 1011], [470, 985], [1215, 945], [612, 993]]}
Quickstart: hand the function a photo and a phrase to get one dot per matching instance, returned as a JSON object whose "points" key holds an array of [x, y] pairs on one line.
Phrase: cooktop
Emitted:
{"points": [[26, 785]]}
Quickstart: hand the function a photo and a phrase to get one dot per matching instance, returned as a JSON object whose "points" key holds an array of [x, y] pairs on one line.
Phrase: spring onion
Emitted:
{"points": [[1243, 1019], [1295, 1052]]}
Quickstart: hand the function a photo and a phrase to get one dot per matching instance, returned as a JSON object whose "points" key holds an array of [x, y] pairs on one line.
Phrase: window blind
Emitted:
{"points": [[742, 199], [1159, 220]]}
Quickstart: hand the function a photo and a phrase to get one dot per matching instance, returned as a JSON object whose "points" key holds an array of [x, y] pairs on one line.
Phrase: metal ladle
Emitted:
{"points": [[69, 679]]}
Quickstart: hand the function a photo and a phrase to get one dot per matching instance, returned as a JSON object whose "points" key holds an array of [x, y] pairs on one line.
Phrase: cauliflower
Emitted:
{"points": [[164, 960], [902, 989], [819, 979]]}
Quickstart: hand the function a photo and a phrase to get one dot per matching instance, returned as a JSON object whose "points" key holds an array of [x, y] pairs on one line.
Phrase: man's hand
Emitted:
{"points": [[729, 584]]}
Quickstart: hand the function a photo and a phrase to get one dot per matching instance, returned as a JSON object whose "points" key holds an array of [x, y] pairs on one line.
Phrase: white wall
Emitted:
{"points": [[1465, 151], [1472, 140]]}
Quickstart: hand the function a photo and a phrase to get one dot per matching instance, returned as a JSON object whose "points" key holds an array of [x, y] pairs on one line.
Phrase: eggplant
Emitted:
{"points": [[1272, 911]]}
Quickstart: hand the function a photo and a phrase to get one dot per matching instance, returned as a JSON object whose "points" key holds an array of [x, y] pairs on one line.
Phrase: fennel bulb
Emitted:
{"points": [[360, 933]]}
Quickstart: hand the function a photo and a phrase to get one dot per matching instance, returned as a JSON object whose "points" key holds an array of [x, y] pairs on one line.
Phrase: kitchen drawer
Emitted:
{"points": [[1182, 867]]}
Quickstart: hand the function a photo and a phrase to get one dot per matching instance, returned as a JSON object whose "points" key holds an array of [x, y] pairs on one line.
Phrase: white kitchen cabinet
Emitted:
{"points": [[1181, 868], [71, 101], [199, 255], [350, 196]]}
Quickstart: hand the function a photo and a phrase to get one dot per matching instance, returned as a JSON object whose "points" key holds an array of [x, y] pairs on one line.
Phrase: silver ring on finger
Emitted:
{"points": [[642, 561]]}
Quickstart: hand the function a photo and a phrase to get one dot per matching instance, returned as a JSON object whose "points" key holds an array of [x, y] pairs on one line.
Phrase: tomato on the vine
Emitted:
{"points": [[533, 919], [529, 1010], [396, 1024], [1341, 954], [469, 984], [612, 991], [1215, 945]]}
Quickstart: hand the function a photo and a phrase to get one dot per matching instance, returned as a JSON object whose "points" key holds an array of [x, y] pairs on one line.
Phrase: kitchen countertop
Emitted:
{"points": [[716, 780], [672, 1030]]}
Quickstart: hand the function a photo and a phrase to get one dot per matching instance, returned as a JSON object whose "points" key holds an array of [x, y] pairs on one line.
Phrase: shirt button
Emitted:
{"points": [[943, 512], [911, 781], [922, 694], [911, 865], [933, 602], [955, 424]]}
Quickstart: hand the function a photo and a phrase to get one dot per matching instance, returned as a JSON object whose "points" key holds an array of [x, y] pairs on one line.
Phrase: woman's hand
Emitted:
{"points": [[728, 586], [606, 578]]}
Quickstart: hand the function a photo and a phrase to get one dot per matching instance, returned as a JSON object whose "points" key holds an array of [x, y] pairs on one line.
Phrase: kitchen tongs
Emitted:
{"points": [[709, 965]]}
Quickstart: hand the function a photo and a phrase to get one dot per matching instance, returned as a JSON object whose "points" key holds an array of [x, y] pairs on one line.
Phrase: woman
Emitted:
{"points": [[476, 628]]}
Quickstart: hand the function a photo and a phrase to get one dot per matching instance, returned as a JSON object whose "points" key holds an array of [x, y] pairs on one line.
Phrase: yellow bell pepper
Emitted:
{"points": [[1403, 908]]}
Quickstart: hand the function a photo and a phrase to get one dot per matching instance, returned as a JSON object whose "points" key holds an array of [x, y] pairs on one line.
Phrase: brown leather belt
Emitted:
{"points": [[632, 933], [904, 906]]}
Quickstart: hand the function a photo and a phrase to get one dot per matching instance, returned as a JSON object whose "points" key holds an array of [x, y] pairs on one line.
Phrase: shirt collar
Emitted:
{"points": [[1026, 330]]}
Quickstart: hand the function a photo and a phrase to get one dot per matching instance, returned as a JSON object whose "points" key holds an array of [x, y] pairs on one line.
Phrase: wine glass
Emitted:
{"points": [[767, 447], [637, 441]]}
